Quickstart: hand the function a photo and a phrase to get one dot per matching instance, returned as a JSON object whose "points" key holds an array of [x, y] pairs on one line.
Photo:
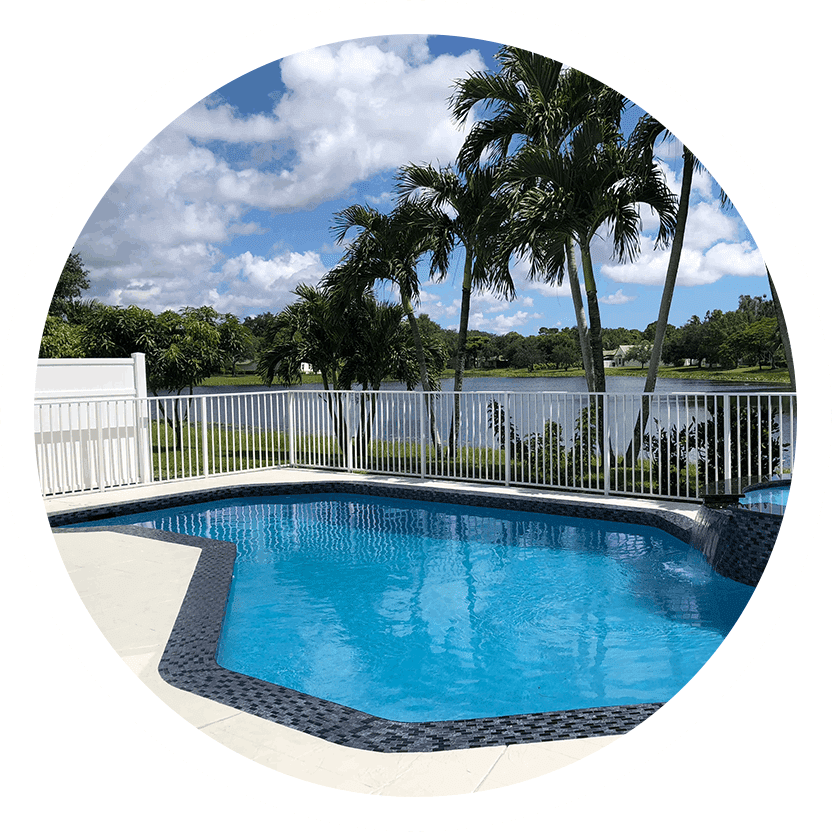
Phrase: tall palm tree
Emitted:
{"points": [[359, 345], [534, 101], [597, 182], [647, 132], [304, 333], [643, 139], [476, 214]]}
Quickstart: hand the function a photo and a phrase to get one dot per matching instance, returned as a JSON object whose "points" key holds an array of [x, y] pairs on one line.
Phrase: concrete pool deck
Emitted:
{"points": [[133, 588]]}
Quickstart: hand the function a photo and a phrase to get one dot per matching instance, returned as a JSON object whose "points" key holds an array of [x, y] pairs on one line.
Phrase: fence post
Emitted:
{"points": [[507, 444], [99, 431], [292, 459], [203, 416], [348, 408], [423, 442], [143, 443], [606, 440], [726, 437]]}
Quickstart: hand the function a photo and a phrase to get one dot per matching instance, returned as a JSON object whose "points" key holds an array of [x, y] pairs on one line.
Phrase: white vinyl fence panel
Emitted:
{"points": [[91, 424]]}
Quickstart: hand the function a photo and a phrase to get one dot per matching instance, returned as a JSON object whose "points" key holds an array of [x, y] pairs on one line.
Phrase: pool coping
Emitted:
{"points": [[189, 659]]}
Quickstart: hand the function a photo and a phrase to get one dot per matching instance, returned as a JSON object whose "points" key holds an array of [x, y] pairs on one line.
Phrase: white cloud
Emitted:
{"points": [[256, 282], [617, 298], [696, 267], [349, 111], [510, 323], [707, 224], [352, 110], [387, 199]]}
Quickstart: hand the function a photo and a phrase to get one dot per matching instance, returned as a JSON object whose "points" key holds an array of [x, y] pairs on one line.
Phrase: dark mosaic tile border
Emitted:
{"points": [[677, 525], [189, 659]]}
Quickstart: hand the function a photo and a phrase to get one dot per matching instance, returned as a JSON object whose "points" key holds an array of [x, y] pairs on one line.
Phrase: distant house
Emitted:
{"points": [[609, 357], [619, 358]]}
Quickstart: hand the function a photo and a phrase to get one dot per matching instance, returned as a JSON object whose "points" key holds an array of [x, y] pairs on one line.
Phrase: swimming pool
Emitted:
{"points": [[770, 497], [421, 612]]}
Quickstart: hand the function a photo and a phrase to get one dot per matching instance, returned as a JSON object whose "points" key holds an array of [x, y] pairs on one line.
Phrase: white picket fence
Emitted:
{"points": [[685, 443]]}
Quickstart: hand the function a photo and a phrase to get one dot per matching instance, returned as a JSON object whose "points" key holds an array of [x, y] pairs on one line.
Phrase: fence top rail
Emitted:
{"points": [[116, 397]]}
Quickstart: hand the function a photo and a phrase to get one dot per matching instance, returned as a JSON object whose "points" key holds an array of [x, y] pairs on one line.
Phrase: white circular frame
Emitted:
{"points": [[403, 813]]}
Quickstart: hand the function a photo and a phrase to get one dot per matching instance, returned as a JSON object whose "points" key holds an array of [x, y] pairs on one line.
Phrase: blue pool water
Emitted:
{"points": [[766, 499], [419, 611]]}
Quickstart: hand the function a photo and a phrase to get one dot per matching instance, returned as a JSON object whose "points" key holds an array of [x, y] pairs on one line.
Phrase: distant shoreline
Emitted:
{"points": [[746, 375]]}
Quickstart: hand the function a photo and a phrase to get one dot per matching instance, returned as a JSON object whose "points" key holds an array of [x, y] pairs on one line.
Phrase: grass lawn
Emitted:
{"points": [[250, 380]]}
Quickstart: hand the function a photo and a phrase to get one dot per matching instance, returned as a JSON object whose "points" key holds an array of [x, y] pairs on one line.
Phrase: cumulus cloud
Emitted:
{"points": [[697, 267], [617, 298], [344, 113], [254, 282], [511, 323], [716, 244], [349, 111], [549, 290]]}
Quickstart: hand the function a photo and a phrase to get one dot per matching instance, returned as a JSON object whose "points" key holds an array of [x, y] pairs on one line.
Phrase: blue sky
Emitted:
{"points": [[232, 204]]}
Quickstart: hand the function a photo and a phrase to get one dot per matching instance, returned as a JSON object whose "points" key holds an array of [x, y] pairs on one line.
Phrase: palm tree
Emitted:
{"points": [[643, 139], [389, 248], [361, 344], [596, 182], [305, 332], [534, 102], [476, 214]]}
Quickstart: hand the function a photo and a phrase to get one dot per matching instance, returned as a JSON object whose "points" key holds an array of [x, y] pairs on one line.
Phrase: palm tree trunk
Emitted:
{"points": [[596, 346], [461, 344], [580, 315], [423, 369], [664, 307], [672, 271], [784, 333]]}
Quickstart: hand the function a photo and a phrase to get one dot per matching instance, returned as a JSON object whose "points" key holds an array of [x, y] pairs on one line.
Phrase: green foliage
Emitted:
{"points": [[181, 348], [757, 342], [560, 349], [237, 342], [184, 349], [61, 339], [360, 343], [750, 439], [71, 283], [746, 336]]}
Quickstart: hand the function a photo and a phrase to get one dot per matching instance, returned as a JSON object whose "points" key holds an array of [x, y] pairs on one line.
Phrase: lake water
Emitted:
{"points": [[575, 384]]}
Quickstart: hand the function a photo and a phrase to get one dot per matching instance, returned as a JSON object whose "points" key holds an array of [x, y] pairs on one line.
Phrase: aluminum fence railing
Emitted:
{"points": [[665, 444]]}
